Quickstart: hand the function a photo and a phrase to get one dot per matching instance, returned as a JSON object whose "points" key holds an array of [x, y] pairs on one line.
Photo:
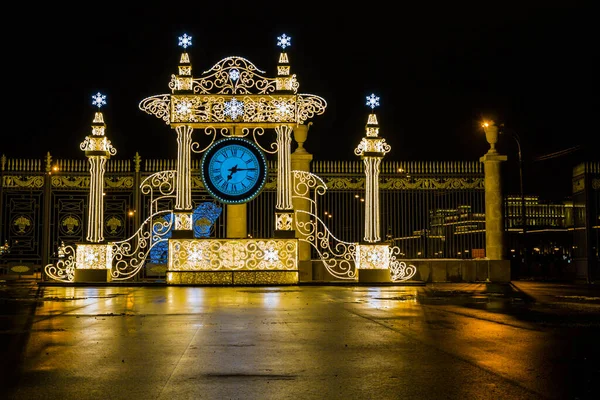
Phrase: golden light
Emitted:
{"points": [[55, 168], [130, 213], [485, 124]]}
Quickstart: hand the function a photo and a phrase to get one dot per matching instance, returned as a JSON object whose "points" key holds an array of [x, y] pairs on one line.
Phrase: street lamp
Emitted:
{"points": [[515, 136]]}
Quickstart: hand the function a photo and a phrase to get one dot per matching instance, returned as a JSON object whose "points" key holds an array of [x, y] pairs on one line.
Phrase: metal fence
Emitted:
{"points": [[428, 209]]}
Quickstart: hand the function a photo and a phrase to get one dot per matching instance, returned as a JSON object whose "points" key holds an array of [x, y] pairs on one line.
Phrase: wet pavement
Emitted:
{"points": [[526, 340]]}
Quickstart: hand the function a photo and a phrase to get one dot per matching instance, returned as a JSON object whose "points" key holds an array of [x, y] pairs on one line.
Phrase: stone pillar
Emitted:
{"points": [[236, 221], [494, 221], [301, 160]]}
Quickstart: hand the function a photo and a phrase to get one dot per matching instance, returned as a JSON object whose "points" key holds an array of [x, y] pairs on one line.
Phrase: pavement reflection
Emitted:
{"points": [[433, 341]]}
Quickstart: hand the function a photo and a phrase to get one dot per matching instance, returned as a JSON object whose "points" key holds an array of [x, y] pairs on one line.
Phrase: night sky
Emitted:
{"points": [[437, 70]]}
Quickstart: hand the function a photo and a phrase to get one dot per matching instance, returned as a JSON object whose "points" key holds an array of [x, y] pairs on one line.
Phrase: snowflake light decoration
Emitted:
{"points": [[284, 41], [373, 101], [98, 100], [271, 255], [195, 255], [234, 108], [90, 257], [183, 108], [373, 257], [185, 41], [234, 75]]}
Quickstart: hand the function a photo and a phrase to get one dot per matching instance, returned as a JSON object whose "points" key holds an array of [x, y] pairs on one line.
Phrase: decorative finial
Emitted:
{"points": [[284, 41], [185, 41], [373, 101], [98, 100]]}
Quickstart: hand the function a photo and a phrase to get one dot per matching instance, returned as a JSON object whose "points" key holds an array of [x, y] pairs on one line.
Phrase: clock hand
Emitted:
{"points": [[246, 169]]}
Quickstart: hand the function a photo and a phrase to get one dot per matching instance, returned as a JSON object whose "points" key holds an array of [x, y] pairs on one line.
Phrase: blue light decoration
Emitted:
{"points": [[185, 41], [284, 41], [98, 100], [203, 219], [373, 101]]}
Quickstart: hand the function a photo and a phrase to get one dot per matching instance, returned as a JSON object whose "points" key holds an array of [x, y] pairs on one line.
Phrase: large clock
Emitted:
{"points": [[234, 170]]}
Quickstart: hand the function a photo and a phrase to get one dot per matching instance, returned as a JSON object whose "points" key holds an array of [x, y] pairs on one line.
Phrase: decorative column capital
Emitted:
{"points": [[492, 157]]}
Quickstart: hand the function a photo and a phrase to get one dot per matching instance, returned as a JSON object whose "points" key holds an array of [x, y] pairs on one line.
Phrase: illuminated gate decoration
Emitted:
{"points": [[234, 98], [94, 258]]}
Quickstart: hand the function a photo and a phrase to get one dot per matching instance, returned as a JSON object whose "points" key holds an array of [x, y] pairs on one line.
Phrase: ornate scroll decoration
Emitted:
{"points": [[305, 181], [432, 183], [256, 133], [123, 182], [70, 182], [129, 254], [228, 254], [399, 270], [208, 131], [337, 256], [233, 90], [64, 269], [595, 184], [34, 182], [308, 106], [284, 221], [352, 183], [164, 182], [345, 183], [233, 75], [158, 106], [371, 145]]}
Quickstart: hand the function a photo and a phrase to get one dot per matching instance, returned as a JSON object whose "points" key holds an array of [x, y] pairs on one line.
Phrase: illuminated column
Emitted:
{"points": [[184, 171], [284, 214], [494, 224], [372, 148], [98, 149], [182, 87], [372, 258], [94, 259], [301, 160], [284, 168]]}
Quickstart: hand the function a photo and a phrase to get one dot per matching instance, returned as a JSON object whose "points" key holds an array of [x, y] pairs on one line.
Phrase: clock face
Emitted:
{"points": [[234, 170]]}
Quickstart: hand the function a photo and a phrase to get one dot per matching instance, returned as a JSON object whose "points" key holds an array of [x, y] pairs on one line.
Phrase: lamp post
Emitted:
{"points": [[515, 136]]}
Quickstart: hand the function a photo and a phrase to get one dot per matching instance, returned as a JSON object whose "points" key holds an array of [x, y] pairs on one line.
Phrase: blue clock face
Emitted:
{"points": [[234, 170]]}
